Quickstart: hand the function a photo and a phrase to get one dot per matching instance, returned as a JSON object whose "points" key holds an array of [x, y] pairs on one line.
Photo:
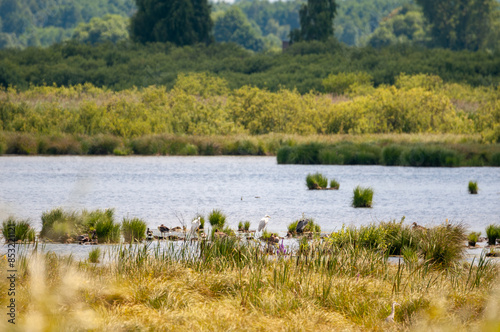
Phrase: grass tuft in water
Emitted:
{"points": [[493, 233], [472, 187], [334, 184], [246, 225], [316, 181], [133, 230], [362, 197]]}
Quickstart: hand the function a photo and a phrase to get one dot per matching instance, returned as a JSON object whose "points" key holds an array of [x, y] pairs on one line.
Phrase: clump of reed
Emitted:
{"points": [[133, 230], [334, 184], [240, 226], [362, 197], [316, 181], [65, 226], [493, 233], [246, 226], [472, 187], [292, 227], [14, 230], [94, 255], [217, 220], [473, 237], [443, 245]]}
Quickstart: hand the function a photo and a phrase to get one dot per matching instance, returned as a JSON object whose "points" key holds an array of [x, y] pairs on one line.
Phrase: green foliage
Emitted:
{"points": [[246, 225], [312, 227], [472, 187], [342, 83], [62, 226], [233, 26], [493, 233], [334, 184], [292, 227], [217, 220], [443, 245], [133, 230], [109, 28], [94, 255], [316, 181], [463, 24], [102, 221], [404, 25], [182, 22], [316, 21], [266, 235], [473, 236], [362, 197], [240, 226], [17, 230], [202, 221]]}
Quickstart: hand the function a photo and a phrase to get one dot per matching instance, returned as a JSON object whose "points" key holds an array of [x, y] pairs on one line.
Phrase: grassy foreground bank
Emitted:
{"points": [[232, 285]]}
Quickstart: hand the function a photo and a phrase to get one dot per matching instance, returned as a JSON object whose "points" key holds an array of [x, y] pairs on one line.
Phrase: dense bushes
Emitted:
{"points": [[14, 230], [200, 104]]}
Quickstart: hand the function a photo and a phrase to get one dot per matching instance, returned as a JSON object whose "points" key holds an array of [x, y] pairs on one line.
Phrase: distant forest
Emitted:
{"points": [[262, 27]]}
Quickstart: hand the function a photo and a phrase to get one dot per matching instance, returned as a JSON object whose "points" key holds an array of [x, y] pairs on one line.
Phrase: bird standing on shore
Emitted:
{"points": [[390, 318], [263, 223], [195, 225]]}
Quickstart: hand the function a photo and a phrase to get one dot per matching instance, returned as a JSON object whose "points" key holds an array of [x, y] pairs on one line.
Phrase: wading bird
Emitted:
{"points": [[390, 318], [263, 223], [195, 225]]}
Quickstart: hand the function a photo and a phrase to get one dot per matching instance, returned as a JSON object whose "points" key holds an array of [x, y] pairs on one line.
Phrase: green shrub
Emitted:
{"points": [[472, 187], [342, 83], [316, 181], [133, 229], [229, 231], [247, 225], [94, 255], [493, 233], [240, 226], [312, 227], [103, 144], [362, 197], [217, 220], [17, 230], [266, 235], [334, 184]]}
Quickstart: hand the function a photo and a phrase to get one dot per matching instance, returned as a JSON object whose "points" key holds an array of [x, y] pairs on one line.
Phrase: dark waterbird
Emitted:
{"points": [[301, 225]]}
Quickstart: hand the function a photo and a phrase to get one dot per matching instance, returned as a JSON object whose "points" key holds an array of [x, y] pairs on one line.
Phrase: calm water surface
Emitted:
{"points": [[170, 190]]}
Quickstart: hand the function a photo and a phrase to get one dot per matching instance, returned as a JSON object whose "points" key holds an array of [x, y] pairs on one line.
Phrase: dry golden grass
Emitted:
{"points": [[145, 290]]}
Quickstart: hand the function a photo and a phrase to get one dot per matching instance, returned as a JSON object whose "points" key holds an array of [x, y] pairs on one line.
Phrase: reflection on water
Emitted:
{"points": [[171, 190]]}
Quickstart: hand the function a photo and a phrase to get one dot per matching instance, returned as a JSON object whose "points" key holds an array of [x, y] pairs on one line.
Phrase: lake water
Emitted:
{"points": [[171, 190]]}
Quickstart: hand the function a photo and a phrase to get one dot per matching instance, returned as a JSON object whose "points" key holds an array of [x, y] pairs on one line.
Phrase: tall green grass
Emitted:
{"points": [[17, 230], [334, 184], [133, 229], [493, 233], [362, 197], [102, 221], [316, 181], [217, 220], [94, 255]]}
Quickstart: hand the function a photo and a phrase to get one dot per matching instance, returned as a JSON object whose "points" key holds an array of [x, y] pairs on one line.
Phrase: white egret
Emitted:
{"points": [[195, 225], [263, 223], [390, 318]]}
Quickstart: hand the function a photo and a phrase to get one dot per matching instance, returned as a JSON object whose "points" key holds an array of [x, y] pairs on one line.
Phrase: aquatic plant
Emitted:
{"points": [[473, 238], [246, 225], [312, 227], [107, 230], [217, 219], [334, 184], [316, 181], [94, 255], [133, 229], [443, 245], [472, 187], [292, 227], [228, 231], [240, 226], [362, 197], [17, 230], [493, 233], [266, 235], [61, 226]]}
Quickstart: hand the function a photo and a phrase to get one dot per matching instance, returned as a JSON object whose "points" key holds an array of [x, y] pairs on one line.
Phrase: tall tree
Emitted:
{"points": [[316, 20], [459, 24], [182, 22], [233, 26]]}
